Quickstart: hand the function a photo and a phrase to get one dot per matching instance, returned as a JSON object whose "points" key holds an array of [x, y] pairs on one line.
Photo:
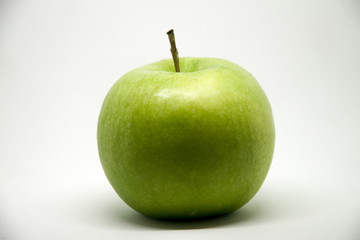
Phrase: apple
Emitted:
{"points": [[189, 144], [186, 144]]}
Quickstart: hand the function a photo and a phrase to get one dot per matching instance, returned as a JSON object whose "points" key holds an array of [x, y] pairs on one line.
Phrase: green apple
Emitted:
{"points": [[189, 144]]}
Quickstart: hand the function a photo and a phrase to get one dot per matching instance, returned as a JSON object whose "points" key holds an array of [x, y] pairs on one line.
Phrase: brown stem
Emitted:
{"points": [[173, 49]]}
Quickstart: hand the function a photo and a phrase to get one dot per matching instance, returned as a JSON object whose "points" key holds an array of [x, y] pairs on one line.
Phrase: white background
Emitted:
{"points": [[58, 59]]}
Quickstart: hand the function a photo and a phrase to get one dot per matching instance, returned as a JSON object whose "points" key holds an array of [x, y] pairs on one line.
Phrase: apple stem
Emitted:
{"points": [[173, 49]]}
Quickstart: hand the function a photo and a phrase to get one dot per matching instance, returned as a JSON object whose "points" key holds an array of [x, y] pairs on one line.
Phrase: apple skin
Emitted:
{"points": [[193, 144]]}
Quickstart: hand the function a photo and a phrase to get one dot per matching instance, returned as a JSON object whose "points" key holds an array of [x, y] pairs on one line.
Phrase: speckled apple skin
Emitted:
{"points": [[185, 145]]}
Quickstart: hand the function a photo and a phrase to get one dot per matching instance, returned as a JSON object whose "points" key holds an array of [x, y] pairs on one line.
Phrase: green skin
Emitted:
{"points": [[193, 144]]}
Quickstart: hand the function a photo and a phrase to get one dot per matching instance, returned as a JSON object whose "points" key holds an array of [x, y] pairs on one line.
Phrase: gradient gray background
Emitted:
{"points": [[58, 59]]}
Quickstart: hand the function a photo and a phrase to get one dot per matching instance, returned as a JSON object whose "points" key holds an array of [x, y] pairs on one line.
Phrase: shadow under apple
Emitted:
{"points": [[125, 214]]}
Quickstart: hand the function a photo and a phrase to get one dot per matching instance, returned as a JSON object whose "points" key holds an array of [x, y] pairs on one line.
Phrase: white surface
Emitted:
{"points": [[58, 59]]}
